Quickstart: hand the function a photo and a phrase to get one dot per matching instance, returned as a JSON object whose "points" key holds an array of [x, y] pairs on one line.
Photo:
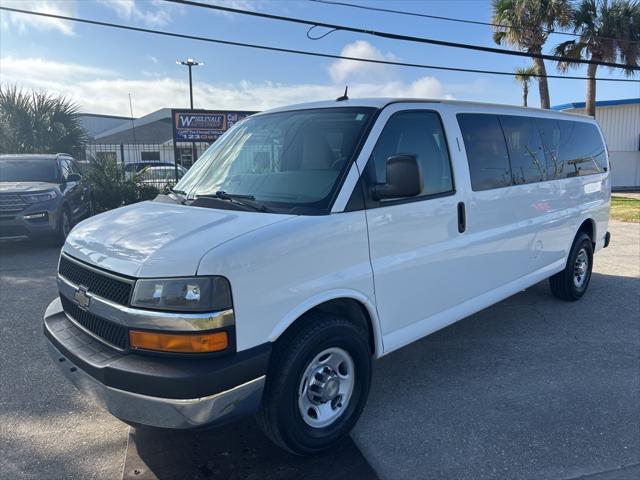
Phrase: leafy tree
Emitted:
{"points": [[36, 122], [524, 76], [609, 32], [525, 24]]}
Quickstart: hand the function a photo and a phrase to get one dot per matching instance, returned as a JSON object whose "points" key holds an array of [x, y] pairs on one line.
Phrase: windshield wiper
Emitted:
{"points": [[181, 194], [243, 200]]}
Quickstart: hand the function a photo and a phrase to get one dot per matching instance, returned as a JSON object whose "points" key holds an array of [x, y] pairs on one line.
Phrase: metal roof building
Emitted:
{"points": [[620, 123]]}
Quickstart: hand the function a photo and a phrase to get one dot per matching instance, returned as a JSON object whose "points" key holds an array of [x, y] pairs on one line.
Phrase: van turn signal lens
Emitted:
{"points": [[179, 343]]}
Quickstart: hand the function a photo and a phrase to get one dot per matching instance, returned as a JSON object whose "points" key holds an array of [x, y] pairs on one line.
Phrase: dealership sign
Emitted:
{"points": [[203, 125]]}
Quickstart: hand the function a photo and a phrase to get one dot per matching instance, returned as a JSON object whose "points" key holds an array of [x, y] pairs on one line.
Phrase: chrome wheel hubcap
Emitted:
{"points": [[581, 268], [325, 387]]}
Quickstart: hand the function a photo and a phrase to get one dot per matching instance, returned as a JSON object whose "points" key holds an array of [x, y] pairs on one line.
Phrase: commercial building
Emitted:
{"points": [[148, 138]]}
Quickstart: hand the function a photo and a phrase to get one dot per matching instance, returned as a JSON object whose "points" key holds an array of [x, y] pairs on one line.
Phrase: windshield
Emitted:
{"points": [[292, 162], [28, 170]]}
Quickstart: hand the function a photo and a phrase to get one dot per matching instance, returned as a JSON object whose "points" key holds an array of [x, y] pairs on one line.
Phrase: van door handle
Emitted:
{"points": [[462, 218]]}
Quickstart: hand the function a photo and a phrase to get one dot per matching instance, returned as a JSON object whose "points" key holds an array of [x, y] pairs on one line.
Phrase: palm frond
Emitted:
{"points": [[570, 49], [37, 122]]}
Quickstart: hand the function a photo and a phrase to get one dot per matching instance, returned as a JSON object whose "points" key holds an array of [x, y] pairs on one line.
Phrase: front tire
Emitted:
{"points": [[64, 227], [317, 385], [571, 283]]}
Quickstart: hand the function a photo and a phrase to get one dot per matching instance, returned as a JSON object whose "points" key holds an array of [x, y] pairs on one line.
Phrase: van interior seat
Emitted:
{"points": [[316, 153]]}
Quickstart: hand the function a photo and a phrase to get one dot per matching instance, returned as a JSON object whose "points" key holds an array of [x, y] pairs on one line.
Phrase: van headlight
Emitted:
{"points": [[39, 197], [196, 294]]}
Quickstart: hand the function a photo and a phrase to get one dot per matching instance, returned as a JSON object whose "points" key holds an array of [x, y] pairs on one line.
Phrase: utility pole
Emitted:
{"points": [[190, 63]]}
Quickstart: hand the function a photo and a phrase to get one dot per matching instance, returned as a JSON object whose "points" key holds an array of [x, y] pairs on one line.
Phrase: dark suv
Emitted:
{"points": [[41, 195]]}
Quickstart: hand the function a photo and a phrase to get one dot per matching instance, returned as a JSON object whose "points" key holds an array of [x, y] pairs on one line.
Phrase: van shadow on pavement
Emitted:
{"points": [[235, 451]]}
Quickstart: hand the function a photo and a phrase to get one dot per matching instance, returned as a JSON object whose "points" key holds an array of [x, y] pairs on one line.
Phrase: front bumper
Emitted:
{"points": [[18, 226], [168, 392]]}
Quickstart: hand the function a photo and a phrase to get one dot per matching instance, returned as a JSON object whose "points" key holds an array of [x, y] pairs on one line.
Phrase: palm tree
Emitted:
{"points": [[523, 75], [525, 24], [607, 32], [36, 122]]}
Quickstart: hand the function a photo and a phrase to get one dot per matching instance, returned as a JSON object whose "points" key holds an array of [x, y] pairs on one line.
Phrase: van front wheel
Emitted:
{"points": [[317, 384], [571, 283]]}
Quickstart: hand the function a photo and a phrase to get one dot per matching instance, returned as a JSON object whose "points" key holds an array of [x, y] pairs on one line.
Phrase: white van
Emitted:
{"points": [[310, 239]]}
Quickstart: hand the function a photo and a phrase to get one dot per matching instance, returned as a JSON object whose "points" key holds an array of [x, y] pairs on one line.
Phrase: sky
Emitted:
{"points": [[99, 67]]}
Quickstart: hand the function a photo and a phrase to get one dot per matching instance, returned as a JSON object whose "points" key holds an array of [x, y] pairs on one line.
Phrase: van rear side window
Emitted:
{"points": [[504, 150], [486, 151], [572, 148]]}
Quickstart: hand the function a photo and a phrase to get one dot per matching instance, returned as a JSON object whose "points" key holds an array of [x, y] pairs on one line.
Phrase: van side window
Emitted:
{"points": [[526, 155], [416, 133], [551, 136], [572, 148], [581, 149], [486, 151]]}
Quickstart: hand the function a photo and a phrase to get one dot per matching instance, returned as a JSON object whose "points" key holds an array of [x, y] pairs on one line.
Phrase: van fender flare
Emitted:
{"points": [[312, 302], [581, 219]]}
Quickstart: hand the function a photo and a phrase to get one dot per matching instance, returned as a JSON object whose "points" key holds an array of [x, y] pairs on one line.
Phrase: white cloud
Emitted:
{"points": [[342, 70], [158, 14], [22, 22], [98, 90], [39, 70]]}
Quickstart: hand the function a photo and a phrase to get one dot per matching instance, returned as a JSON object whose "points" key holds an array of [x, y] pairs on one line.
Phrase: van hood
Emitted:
{"points": [[154, 239]]}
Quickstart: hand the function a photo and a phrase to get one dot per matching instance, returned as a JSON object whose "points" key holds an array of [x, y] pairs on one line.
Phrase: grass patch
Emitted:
{"points": [[625, 209]]}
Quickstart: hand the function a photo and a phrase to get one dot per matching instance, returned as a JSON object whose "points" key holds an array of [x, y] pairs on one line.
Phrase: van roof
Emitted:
{"points": [[384, 101]]}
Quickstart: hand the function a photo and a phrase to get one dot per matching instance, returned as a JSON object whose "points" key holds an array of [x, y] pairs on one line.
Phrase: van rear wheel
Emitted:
{"points": [[572, 283], [317, 384]]}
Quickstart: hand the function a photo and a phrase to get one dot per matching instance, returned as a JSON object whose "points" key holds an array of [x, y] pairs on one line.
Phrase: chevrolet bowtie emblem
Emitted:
{"points": [[81, 297]]}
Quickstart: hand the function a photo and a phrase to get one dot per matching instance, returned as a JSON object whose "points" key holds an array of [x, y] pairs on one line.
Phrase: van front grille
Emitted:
{"points": [[101, 285], [104, 329]]}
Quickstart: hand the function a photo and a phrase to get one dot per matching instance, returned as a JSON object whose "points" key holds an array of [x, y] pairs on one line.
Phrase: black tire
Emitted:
{"points": [[279, 415], [564, 284], [64, 226]]}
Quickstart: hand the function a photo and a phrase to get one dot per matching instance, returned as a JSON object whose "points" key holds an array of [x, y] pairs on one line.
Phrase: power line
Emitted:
{"points": [[397, 36], [294, 51], [452, 19]]}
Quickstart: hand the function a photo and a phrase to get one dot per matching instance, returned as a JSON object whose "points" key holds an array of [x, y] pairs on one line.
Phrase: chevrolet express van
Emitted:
{"points": [[309, 240]]}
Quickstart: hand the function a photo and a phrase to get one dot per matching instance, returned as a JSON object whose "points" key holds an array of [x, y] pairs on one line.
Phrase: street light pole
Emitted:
{"points": [[190, 86], [190, 63]]}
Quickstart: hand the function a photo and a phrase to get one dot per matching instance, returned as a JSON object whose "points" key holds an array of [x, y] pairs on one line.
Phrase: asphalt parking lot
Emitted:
{"points": [[529, 388]]}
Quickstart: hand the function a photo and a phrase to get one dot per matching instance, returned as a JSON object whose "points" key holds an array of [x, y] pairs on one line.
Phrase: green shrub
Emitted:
{"points": [[111, 189]]}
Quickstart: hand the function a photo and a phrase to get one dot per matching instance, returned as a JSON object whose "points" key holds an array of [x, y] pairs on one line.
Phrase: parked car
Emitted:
{"points": [[310, 239], [41, 195], [161, 176], [133, 168]]}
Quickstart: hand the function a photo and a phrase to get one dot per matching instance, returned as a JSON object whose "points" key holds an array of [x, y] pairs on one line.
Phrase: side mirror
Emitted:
{"points": [[74, 177], [404, 178]]}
